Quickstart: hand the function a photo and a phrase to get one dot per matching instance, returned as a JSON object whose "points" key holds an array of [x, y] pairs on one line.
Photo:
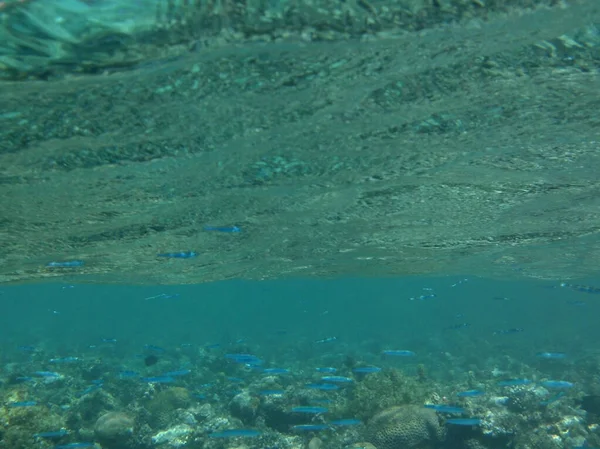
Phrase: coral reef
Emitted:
{"points": [[405, 427], [115, 430]]}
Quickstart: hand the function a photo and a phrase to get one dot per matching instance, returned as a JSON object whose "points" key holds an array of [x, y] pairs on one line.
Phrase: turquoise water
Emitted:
{"points": [[464, 334], [177, 142]]}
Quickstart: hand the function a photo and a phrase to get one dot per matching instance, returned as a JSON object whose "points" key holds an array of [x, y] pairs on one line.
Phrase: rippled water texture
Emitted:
{"points": [[464, 148]]}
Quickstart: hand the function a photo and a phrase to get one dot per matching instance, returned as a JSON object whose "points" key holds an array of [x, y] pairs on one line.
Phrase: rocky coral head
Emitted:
{"points": [[114, 429], [406, 427]]}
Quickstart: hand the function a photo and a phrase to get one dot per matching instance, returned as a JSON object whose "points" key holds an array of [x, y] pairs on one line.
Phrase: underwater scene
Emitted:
{"points": [[417, 363], [299, 224]]}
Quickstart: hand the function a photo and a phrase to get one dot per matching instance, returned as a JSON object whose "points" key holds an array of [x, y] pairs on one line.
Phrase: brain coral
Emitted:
{"points": [[114, 429], [405, 427]]}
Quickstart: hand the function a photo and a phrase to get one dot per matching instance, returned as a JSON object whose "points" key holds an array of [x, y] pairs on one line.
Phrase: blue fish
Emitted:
{"points": [[557, 384], [235, 433], [47, 374], [553, 399], [326, 340], [346, 422], [309, 427], [24, 379], [551, 355], [246, 359], [327, 369], [88, 390], [222, 228], [399, 353], [23, 404], [74, 446], [441, 408], [464, 421], [513, 382], [128, 374], [514, 330], [470, 394], [179, 255], [153, 348], [237, 380], [276, 371], [27, 348], [310, 409], [65, 360], [423, 297], [337, 379], [582, 288], [67, 264], [271, 392], [366, 369], [181, 372]]}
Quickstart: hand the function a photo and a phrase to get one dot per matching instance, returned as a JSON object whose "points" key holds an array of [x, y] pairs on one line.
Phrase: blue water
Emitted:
{"points": [[279, 315], [127, 348]]}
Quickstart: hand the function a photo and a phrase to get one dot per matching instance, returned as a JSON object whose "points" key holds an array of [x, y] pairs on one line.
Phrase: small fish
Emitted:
{"points": [[88, 390], [246, 359], [581, 288], [276, 371], [178, 373], [322, 387], [500, 298], [271, 392], [459, 282], [47, 374], [459, 326], [222, 228], [423, 297], [399, 353], [464, 421], [128, 374], [180, 255], [65, 360], [557, 384], [470, 394], [236, 380], [23, 404], [441, 408], [366, 369], [24, 379], [514, 330], [54, 434], [326, 340], [163, 296], [231, 433], [553, 399], [309, 427], [551, 355], [337, 379], [158, 380], [27, 348], [109, 340], [154, 348], [308, 409], [346, 422], [75, 445], [327, 369], [513, 382], [67, 264]]}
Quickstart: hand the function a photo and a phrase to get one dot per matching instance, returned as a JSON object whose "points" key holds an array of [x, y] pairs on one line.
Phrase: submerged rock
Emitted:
{"points": [[115, 430]]}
